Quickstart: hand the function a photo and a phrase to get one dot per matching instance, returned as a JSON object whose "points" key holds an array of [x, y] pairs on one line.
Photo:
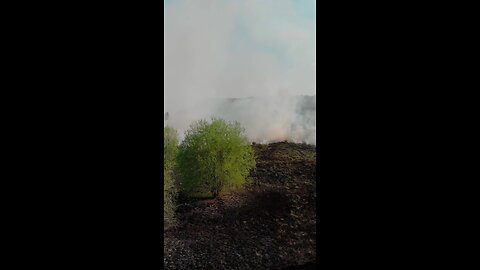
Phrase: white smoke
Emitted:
{"points": [[219, 49]]}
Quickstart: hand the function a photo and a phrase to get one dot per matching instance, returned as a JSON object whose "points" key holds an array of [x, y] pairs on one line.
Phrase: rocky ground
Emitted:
{"points": [[269, 225]]}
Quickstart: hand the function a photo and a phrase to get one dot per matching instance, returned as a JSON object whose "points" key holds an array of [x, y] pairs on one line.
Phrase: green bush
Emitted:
{"points": [[170, 149], [214, 156]]}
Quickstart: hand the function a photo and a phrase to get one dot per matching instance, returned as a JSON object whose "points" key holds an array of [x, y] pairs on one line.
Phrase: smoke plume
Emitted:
{"points": [[250, 61]]}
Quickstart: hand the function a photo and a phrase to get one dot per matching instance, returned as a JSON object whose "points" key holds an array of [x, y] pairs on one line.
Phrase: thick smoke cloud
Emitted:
{"points": [[261, 53]]}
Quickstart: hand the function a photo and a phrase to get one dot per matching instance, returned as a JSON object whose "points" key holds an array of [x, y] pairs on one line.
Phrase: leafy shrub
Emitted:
{"points": [[170, 149], [214, 156]]}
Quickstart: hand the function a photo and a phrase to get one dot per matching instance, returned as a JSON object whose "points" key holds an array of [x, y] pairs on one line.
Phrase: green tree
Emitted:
{"points": [[214, 156], [170, 149]]}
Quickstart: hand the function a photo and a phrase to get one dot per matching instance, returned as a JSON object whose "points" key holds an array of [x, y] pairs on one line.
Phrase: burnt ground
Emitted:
{"points": [[269, 225]]}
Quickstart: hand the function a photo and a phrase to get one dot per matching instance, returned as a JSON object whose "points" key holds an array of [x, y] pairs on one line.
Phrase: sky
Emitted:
{"points": [[237, 48]]}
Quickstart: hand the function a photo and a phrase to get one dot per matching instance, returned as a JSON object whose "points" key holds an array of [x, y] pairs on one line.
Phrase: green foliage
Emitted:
{"points": [[170, 149], [170, 146], [214, 156]]}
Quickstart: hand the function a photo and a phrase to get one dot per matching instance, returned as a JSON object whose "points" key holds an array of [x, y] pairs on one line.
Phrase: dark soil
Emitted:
{"points": [[270, 225]]}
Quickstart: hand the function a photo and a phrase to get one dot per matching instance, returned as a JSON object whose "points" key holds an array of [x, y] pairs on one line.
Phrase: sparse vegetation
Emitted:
{"points": [[274, 219], [170, 149], [214, 157], [278, 210]]}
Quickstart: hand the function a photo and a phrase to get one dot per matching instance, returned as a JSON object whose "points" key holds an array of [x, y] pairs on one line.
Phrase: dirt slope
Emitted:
{"points": [[270, 225]]}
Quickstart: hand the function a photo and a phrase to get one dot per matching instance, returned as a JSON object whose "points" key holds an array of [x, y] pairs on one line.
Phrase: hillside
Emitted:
{"points": [[265, 119], [269, 225]]}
